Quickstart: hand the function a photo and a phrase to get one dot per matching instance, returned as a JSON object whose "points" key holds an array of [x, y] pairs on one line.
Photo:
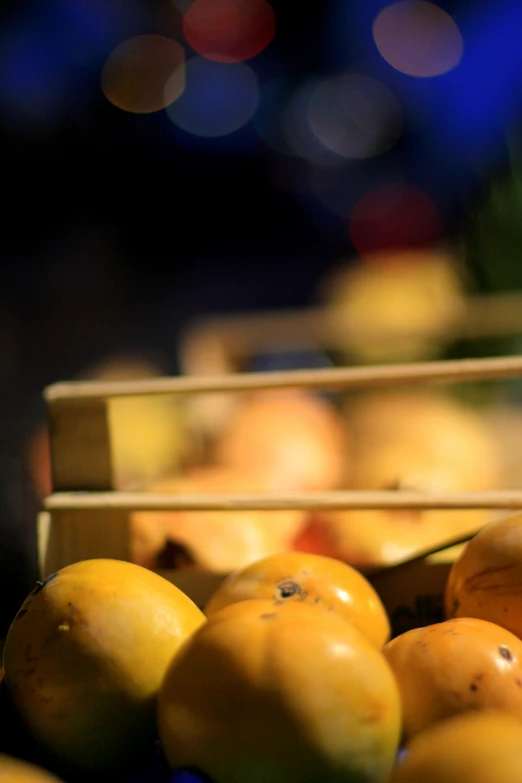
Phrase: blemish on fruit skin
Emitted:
{"points": [[267, 616], [518, 682], [505, 652], [455, 606], [473, 686], [21, 613], [64, 627]]}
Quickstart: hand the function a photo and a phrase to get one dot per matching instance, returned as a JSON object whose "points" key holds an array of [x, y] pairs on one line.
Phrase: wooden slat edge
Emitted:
{"points": [[350, 499], [321, 378]]}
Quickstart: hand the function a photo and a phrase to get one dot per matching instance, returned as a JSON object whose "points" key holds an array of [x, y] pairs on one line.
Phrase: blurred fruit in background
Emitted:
{"points": [[295, 439], [148, 433], [394, 306], [218, 540], [421, 439], [505, 420], [408, 440]]}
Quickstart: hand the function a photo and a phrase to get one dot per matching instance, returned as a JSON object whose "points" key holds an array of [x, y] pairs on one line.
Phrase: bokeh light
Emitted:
{"points": [[394, 216], [144, 74], [295, 126], [219, 98], [355, 116], [418, 38], [229, 31]]}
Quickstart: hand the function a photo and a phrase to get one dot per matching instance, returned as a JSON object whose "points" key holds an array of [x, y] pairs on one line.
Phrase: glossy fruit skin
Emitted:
{"points": [[14, 770], [84, 658], [311, 579], [486, 579], [479, 747], [452, 667], [281, 694]]}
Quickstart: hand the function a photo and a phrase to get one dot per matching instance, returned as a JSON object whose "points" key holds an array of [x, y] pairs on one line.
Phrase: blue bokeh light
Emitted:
{"points": [[219, 98]]}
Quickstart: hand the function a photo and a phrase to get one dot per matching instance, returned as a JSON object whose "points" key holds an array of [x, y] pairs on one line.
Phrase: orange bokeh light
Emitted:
{"points": [[418, 38], [395, 216], [229, 31], [144, 74]]}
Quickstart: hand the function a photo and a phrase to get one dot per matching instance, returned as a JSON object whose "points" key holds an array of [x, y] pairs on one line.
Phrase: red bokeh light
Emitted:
{"points": [[394, 217], [229, 31]]}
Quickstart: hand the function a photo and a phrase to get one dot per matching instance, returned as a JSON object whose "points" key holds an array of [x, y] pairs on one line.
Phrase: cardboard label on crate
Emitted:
{"points": [[413, 593]]}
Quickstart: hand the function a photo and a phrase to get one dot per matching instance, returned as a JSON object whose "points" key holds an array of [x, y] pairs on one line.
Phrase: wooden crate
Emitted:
{"points": [[216, 345], [220, 344], [86, 517]]}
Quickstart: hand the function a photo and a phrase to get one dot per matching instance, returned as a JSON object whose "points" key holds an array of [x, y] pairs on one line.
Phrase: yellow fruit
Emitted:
{"points": [[422, 440], [398, 307], [220, 541], [417, 441], [281, 694], [85, 655], [483, 747], [14, 770], [455, 666], [293, 438], [148, 433], [486, 579], [312, 579]]}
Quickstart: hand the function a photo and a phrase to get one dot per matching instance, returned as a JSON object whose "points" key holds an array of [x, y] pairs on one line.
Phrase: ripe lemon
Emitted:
{"points": [[455, 666], [302, 577], [294, 438], [486, 579], [84, 658], [483, 747], [14, 770], [282, 694]]}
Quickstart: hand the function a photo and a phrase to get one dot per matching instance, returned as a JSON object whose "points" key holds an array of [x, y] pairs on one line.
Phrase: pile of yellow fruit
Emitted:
{"points": [[287, 675]]}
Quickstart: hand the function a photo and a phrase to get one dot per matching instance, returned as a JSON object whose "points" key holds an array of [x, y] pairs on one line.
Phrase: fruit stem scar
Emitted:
{"points": [[288, 589]]}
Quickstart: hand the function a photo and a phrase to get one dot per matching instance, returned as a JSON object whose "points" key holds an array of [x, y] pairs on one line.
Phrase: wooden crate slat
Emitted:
{"points": [[448, 371], [100, 502], [80, 445], [71, 536]]}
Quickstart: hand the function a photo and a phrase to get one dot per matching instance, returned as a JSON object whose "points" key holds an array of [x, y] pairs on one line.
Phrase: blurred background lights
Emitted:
{"points": [[394, 216], [144, 74], [295, 126], [355, 116], [219, 98], [418, 38], [229, 31]]}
